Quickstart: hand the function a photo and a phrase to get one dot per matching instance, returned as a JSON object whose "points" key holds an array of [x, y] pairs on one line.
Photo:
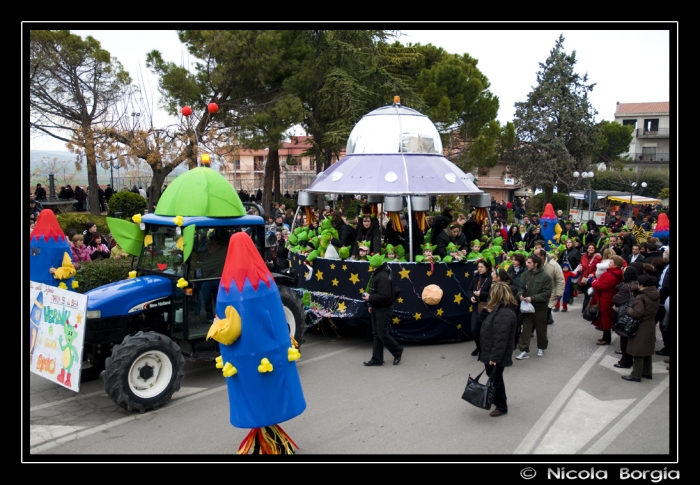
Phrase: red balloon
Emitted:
{"points": [[186, 111], [213, 108]]}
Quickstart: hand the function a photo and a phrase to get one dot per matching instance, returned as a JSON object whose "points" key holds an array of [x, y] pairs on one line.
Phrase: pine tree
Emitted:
{"points": [[556, 132]]}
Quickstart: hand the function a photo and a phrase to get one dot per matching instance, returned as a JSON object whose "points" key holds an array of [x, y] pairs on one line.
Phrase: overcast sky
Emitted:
{"points": [[627, 66]]}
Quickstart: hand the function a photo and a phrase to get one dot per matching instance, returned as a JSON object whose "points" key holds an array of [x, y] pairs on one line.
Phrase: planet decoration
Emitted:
{"points": [[186, 111], [213, 108], [432, 294]]}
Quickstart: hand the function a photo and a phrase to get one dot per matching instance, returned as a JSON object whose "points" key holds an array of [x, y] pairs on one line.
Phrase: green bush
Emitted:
{"points": [[128, 203], [77, 221], [622, 181], [93, 274]]}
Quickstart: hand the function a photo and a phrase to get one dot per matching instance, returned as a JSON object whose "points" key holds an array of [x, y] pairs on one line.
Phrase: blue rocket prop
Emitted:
{"points": [[550, 226], [257, 355], [49, 248]]}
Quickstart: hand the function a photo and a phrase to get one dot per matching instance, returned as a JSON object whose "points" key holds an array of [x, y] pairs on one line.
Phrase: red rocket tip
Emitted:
{"points": [[47, 226], [548, 214], [243, 261]]}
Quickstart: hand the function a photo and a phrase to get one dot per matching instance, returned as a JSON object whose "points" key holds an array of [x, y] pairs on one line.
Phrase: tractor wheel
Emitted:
{"points": [[144, 371], [294, 313]]}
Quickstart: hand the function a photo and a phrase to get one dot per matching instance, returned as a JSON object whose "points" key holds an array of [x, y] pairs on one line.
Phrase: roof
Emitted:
{"points": [[624, 109], [488, 182]]}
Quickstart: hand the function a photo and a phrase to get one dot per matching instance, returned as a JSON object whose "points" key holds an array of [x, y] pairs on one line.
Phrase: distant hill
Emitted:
{"points": [[103, 176]]}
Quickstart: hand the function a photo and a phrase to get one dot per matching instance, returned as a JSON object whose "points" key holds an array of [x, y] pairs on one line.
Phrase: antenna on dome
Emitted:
{"points": [[397, 100]]}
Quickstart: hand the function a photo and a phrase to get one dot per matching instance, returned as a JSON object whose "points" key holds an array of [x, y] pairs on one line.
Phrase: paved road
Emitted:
{"points": [[572, 401]]}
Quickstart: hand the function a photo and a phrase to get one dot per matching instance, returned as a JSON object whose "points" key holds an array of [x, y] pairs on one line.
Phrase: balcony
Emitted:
{"points": [[658, 157], [659, 133]]}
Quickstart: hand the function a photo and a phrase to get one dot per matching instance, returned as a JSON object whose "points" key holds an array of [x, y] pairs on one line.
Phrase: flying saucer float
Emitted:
{"points": [[395, 156]]}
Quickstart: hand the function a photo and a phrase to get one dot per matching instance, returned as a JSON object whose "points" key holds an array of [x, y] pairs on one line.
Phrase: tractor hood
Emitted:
{"points": [[130, 296]]}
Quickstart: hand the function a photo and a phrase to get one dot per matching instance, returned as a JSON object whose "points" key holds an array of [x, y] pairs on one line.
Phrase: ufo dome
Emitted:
{"points": [[394, 129]]}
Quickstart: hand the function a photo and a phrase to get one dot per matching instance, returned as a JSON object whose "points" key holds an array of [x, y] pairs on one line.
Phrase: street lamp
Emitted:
{"points": [[634, 186], [577, 178]]}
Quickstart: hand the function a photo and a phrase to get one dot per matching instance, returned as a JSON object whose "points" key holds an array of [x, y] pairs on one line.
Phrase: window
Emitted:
{"points": [[237, 165], [630, 122], [649, 153], [651, 125]]}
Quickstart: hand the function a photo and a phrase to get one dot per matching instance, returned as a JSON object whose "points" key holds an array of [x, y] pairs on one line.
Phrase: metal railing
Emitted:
{"points": [[658, 157], [658, 133]]}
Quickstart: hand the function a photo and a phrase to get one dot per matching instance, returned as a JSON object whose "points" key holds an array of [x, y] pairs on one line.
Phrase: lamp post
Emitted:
{"points": [[577, 178], [634, 186]]}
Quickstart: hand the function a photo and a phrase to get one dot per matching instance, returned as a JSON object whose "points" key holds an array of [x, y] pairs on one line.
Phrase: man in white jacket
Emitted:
{"points": [[552, 268]]}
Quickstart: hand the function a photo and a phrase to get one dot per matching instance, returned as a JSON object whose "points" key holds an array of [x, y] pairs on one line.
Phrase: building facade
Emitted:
{"points": [[650, 148]]}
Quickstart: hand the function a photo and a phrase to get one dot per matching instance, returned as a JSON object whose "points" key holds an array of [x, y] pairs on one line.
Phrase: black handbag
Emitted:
{"points": [[480, 395], [626, 326], [592, 312]]}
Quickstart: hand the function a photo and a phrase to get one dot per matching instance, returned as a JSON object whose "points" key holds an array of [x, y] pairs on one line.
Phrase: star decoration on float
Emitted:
{"points": [[466, 275], [306, 274], [395, 320], [341, 306], [459, 326], [354, 278], [362, 290], [458, 298], [404, 273], [417, 316], [319, 275], [335, 282], [440, 312], [332, 266], [449, 273], [400, 300], [429, 273], [345, 267]]}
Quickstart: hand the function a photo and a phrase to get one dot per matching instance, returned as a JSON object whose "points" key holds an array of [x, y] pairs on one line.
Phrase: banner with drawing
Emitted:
{"points": [[57, 331]]}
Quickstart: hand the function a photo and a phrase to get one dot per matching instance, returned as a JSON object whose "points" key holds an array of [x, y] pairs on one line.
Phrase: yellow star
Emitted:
{"points": [[362, 290], [429, 273], [332, 266], [471, 308], [466, 275], [306, 274], [449, 272], [400, 300], [458, 298], [417, 316], [319, 275], [395, 320], [404, 273], [79, 318], [341, 306], [335, 282], [459, 326], [345, 267], [440, 312], [354, 278]]}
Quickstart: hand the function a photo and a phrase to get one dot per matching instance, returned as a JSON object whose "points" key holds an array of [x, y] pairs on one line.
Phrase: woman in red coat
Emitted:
{"points": [[589, 261], [603, 293]]}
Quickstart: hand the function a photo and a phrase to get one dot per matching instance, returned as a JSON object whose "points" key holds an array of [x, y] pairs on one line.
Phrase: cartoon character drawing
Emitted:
{"points": [[35, 323], [70, 353]]}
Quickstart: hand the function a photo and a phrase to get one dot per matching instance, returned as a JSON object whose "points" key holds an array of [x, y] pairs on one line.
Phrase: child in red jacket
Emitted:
{"points": [[568, 277]]}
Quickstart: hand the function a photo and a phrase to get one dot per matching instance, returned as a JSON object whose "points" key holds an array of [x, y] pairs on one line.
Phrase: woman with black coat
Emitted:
{"points": [[628, 288], [480, 286], [534, 234], [641, 346], [498, 341], [514, 237], [368, 231]]}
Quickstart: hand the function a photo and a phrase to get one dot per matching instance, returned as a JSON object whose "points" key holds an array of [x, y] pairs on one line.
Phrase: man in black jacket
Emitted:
{"points": [[380, 297], [440, 223]]}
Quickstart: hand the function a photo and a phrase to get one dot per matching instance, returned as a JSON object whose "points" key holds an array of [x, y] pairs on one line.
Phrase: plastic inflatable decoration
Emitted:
{"points": [[186, 111], [549, 225], [213, 108], [49, 248], [257, 355], [662, 228]]}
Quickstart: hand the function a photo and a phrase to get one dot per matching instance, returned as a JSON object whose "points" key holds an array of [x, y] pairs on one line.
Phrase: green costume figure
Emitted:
{"points": [[70, 353], [453, 253], [428, 256], [476, 251]]}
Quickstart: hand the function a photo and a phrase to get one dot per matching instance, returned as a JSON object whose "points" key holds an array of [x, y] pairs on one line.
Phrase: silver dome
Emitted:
{"points": [[394, 129]]}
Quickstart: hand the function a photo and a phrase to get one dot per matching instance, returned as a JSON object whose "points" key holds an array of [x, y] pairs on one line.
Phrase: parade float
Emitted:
{"points": [[394, 155]]}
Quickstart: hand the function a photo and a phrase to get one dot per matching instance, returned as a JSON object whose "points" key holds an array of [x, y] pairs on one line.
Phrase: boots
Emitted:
{"points": [[61, 376], [566, 307], [67, 383]]}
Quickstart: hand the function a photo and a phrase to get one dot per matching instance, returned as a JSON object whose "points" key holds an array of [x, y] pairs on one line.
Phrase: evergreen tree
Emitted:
{"points": [[555, 128]]}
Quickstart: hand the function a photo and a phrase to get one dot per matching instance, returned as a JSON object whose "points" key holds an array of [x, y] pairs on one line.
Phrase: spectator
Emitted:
{"points": [[641, 346], [625, 290], [98, 249], [101, 198], [665, 325], [555, 272], [89, 232], [108, 193], [346, 234], [604, 289], [480, 287], [367, 231], [142, 193], [536, 288], [34, 211], [39, 192], [440, 223], [589, 263], [533, 234], [81, 252], [454, 236]]}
